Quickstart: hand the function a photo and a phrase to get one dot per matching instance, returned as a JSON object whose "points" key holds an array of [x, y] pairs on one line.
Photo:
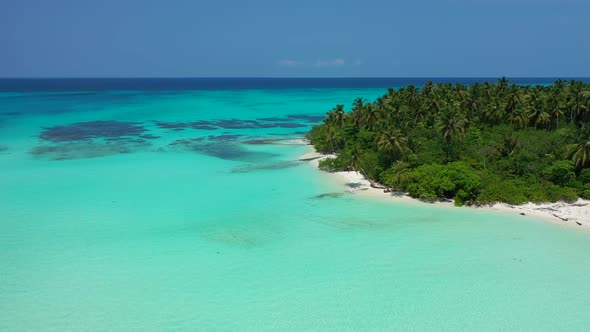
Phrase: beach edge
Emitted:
{"points": [[572, 215]]}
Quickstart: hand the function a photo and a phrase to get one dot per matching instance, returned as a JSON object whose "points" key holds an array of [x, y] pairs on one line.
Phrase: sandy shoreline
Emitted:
{"points": [[575, 215]]}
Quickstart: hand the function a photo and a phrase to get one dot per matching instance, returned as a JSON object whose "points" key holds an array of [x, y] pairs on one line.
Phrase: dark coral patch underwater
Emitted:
{"points": [[108, 137], [149, 136], [177, 126], [223, 147], [92, 139], [80, 131], [88, 149], [223, 137], [328, 195], [254, 168]]}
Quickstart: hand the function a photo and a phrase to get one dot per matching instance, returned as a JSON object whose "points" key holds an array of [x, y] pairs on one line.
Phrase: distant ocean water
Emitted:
{"points": [[179, 204], [175, 84]]}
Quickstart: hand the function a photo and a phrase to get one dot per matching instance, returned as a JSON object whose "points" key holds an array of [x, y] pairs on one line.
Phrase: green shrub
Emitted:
{"points": [[397, 176], [568, 194], [455, 180], [370, 162], [324, 140], [333, 165], [561, 172], [509, 191], [584, 176], [585, 192]]}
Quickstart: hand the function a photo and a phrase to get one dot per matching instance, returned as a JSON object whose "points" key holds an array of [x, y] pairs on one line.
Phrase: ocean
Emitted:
{"points": [[180, 205]]}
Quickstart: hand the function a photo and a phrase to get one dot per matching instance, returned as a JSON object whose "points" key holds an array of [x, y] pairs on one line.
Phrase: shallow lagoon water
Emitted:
{"points": [[197, 229]]}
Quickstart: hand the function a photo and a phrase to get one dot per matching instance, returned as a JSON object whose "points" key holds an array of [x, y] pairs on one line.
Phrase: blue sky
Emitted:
{"points": [[266, 38]]}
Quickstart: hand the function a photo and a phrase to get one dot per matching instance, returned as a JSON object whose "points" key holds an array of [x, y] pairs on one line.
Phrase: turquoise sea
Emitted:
{"points": [[180, 206]]}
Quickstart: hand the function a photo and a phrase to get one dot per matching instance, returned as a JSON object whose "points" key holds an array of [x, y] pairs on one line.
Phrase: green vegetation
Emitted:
{"points": [[478, 144]]}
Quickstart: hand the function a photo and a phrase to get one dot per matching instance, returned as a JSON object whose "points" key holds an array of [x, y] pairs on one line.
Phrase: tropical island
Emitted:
{"points": [[478, 144]]}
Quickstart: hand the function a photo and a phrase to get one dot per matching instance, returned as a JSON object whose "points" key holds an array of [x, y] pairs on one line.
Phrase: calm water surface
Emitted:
{"points": [[162, 205]]}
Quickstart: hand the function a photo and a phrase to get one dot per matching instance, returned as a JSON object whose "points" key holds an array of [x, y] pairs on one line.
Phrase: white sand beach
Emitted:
{"points": [[576, 215]]}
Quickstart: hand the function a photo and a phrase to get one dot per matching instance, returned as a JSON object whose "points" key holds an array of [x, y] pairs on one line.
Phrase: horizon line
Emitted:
{"points": [[279, 77]]}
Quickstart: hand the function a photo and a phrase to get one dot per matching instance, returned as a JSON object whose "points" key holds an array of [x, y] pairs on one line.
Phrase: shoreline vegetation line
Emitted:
{"points": [[525, 148]]}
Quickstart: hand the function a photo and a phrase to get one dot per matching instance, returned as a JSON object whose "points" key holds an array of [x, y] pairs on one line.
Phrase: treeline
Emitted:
{"points": [[478, 144]]}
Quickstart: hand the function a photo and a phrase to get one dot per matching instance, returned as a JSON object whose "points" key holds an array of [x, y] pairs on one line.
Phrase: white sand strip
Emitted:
{"points": [[575, 215]]}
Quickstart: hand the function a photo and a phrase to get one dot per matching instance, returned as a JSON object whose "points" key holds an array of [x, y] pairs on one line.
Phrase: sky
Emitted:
{"points": [[303, 38]]}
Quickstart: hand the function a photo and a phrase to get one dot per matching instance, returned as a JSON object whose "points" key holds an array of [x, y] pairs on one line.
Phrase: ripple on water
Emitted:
{"points": [[243, 232]]}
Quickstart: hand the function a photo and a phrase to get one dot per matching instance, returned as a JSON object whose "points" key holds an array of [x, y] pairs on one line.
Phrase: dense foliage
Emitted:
{"points": [[482, 143]]}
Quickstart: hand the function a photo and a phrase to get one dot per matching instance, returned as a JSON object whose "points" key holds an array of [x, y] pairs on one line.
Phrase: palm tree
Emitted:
{"points": [[371, 116], [357, 105], [463, 99], [358, 112], [579, 153], [540, 118], [392, 141], [472, 104], [358, 117], [427, 89], [433, 105], [419, 115], [390, 109], [513, 100], [510, 145], [400, 174], [452, 127], [555, 113], [519, 118], [558, 87], [537, 110], [502, 85], [339, 115], [576, 102], [494, 111], [333, 137], [355, 161], [411, 95]]}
